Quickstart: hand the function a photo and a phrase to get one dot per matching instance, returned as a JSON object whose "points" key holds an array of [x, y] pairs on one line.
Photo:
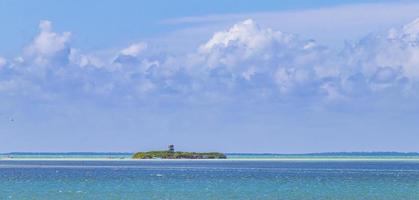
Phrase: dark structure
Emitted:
{"points": [[171, 148]]}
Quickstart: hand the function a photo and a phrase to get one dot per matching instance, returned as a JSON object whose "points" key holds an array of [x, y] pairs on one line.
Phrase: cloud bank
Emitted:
{"points": [[244, 63]]}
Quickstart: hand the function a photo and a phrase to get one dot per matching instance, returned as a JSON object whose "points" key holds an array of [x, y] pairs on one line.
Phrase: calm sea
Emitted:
{"points": [[216, 179]]}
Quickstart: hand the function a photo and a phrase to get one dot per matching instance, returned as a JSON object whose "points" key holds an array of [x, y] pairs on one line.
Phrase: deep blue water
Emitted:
{"points": [[199, 179]]}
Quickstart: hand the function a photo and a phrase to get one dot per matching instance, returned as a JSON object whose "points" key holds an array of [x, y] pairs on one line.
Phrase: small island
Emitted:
{"points": [[172, 154]]}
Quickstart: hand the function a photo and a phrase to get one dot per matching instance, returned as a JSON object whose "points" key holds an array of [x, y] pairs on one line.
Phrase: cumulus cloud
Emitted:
{"points": [[409, 31], [289, 65], [387, 62], [48, 46], [86, 60], [245, 33], [247, 57], [246, 41], [134, 49], [245, 61], [131, 55]]}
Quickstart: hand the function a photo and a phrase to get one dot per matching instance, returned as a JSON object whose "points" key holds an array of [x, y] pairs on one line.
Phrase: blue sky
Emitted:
{"points": [[120, 23], [232, 76]]}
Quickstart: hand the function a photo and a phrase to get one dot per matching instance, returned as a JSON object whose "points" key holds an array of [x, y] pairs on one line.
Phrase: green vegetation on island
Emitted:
{"points": [[171, 154]]}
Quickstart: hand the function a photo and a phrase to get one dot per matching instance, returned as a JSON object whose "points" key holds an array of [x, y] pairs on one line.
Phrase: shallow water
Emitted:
{"points": [[200, 179]]}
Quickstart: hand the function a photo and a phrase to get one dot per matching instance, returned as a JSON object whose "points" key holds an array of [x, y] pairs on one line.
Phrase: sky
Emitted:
{"points": [[230, 76]]}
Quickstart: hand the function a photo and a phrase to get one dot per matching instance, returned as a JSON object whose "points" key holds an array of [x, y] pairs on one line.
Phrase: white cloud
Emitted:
{"points": [[328, 25], [3, 62], [86, 60], [411, 31], [245, 33], [134, 49], [244, 46], [243, 61], [290, 79], [247, 57], [398, 49], [385, 62], [131, 55], [48, 45]]}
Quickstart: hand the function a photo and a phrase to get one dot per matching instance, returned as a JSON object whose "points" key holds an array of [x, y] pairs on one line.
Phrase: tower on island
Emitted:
{"points": [[171, 148]]}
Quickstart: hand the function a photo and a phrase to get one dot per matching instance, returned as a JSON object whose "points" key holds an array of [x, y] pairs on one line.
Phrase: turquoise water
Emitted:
{"points": [[216, 179], [319, 156], [70, 155]]}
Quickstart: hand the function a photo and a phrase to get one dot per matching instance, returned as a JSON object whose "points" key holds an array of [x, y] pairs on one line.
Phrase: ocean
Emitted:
{"points": [[341, 179]]}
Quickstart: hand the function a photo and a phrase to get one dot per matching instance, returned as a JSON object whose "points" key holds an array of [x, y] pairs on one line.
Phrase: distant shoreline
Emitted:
{"points": [[228, 159], [355, 153], [126, 156]]}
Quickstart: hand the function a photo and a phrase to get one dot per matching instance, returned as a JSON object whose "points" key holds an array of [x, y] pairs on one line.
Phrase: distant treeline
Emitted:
{"points": [[337, 154]]}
